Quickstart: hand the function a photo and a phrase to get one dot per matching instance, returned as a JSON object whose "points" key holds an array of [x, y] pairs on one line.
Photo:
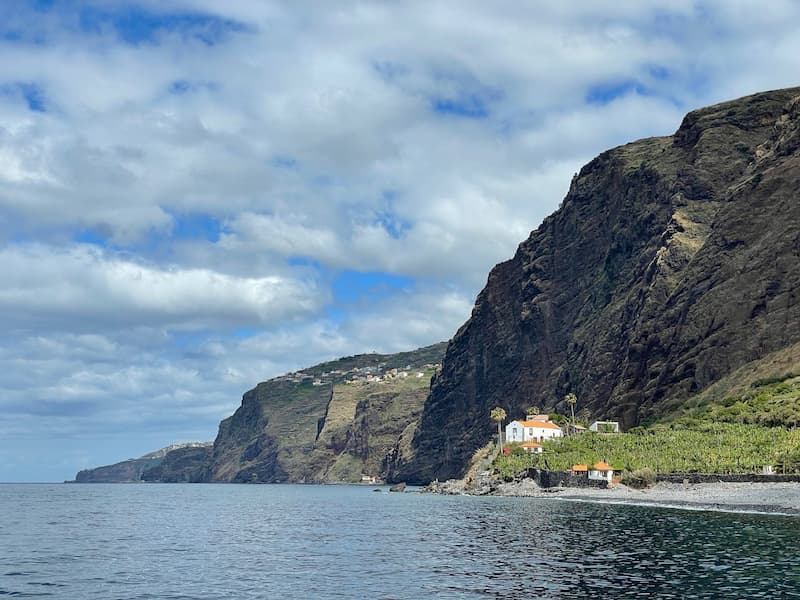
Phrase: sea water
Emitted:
{"points": [[158, 541]]}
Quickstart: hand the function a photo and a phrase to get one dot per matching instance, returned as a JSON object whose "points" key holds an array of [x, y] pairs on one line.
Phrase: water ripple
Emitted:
{"points": [[174, 542]]}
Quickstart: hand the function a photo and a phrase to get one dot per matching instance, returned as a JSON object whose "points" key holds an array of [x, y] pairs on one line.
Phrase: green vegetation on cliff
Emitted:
{"points": [[332, 422], [771, 401]]}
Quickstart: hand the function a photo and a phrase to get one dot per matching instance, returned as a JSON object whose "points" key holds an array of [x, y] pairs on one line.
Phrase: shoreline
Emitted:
{"points": [[780, 499]]}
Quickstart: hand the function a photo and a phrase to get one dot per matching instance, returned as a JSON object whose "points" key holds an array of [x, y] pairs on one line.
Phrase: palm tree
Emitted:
{"points": [[572, 400], [499, 415]]}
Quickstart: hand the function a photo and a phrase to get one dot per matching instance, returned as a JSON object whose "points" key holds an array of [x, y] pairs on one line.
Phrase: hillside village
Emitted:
{"points": [[361, 375]]}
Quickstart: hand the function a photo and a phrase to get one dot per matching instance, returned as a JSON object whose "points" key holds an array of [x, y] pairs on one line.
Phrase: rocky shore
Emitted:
{"points": [[771, 498]]}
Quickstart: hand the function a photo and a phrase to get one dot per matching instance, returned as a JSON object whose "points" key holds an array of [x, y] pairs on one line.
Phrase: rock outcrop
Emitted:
{"points": [[333, 422], [145, 467], [671, 263], [182, 465]]}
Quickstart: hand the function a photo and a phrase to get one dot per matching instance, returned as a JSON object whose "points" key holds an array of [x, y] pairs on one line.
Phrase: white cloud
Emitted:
{"points": [[84, 288], [311, 133]]}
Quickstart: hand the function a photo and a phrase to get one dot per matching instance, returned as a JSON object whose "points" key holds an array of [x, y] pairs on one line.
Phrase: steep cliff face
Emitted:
{"points": [[332, 422], [182, 465], [671, 263], [178, 462]]}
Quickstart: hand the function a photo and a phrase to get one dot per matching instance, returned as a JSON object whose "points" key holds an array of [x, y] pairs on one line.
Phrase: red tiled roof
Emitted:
{"points": [[580, 467], [602, 466]]}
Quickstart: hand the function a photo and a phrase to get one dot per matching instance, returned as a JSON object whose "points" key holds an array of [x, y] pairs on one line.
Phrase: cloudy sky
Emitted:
{"points": [[198, 195]]}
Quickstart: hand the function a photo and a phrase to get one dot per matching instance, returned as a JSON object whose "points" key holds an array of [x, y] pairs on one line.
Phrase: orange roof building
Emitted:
{"points": [[531, 447], [539, 424], [602, 471], [532, 430], [580, 468], [602, 466]]}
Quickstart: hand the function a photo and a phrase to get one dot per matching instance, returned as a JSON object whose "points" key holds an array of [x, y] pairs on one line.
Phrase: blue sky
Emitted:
{"points": [[196, 196]]}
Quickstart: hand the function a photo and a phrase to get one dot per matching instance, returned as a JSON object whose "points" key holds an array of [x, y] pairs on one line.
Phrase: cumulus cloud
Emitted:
{"points": [[180, 194], [85, 288]]}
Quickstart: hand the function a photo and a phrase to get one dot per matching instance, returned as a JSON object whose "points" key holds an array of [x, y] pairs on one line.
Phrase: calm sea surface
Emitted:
{"points": [[283, 541]]}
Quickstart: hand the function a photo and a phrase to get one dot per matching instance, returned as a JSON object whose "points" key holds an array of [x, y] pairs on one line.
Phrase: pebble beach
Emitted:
{"points": [[771, 498]]}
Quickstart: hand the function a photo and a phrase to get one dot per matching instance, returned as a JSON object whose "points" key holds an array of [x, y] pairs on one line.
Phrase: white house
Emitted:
{"points": [[605, 426], [602, 471], [532, 431]]}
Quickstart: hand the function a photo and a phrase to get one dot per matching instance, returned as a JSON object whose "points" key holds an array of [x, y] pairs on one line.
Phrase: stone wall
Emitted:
{"points": [[715, 478], [551, 479]]}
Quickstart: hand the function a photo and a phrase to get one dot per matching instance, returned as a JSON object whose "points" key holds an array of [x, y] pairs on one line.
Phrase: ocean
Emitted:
{"points": [[158, 541]]}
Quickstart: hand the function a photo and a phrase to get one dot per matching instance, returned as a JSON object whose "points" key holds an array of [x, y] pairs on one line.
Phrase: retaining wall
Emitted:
{"points": [[714, 478], [550, 479]]}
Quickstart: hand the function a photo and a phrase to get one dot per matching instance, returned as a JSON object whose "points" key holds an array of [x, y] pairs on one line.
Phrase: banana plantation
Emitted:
{"points": [[675, 448]]}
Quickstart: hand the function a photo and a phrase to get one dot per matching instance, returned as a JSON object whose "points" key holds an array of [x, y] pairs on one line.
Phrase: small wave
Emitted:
{"points": [[688, 506]]}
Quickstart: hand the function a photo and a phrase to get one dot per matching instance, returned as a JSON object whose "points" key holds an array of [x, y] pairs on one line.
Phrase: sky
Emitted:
{"points": [[196, 195]]}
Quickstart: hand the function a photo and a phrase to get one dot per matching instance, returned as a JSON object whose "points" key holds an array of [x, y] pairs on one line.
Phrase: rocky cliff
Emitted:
{"points": [[332, 422], [173, 458], [671, 263], [182, 465]]}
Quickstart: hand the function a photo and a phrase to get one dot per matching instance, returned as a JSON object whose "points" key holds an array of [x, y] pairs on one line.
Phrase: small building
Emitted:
{"points": [[531, 417], [532, 431], [583, 469], [602, 471], [605, 427], [531, 447]]}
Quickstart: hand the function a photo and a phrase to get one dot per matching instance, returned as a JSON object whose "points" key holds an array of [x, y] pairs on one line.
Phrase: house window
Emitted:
{"points": [[514, 433], [530, 431]]}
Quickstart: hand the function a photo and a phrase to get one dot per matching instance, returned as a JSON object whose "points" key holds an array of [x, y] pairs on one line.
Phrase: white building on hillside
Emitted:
{"points": [[532, 431]]}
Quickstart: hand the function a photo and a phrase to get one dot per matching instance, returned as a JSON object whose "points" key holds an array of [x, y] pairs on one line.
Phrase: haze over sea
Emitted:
{"points": [[287, 541]]}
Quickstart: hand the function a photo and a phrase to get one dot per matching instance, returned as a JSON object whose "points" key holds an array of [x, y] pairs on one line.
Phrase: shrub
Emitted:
{"points": [[640, 478], [770, 380]]}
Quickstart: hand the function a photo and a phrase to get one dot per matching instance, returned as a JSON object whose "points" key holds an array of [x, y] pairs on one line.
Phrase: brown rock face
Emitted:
{"points": [[332, 422], [672, 262]]}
